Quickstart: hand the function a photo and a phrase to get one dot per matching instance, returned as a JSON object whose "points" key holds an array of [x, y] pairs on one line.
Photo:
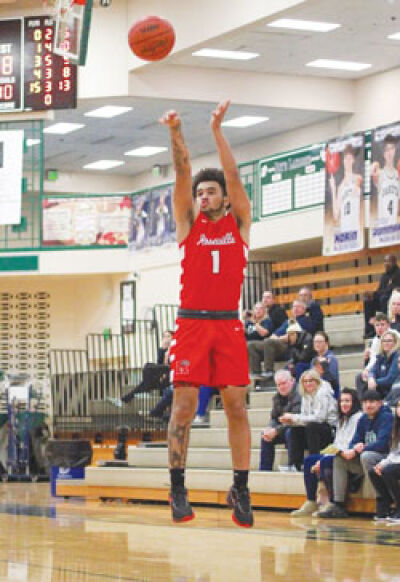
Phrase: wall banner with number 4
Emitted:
{"points": [[385, 186], [11, 159]]}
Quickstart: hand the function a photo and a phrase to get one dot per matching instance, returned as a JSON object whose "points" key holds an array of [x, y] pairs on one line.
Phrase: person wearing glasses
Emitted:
{"points": [[313, 427]]}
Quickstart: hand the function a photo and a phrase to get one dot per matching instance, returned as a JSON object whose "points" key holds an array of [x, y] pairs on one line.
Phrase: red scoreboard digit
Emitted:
{"points": [[49, 79]]}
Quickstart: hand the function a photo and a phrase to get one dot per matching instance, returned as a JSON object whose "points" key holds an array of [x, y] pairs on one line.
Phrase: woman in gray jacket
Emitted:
{"points": [[385, 477], [313, 428]]}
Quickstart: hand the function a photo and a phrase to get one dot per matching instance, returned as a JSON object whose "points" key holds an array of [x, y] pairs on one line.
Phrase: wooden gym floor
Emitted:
{"points": [[53, 540]]}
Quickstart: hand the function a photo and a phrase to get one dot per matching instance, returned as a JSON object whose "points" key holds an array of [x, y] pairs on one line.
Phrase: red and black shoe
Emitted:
{"points": [[239, 500], [180, 507]]}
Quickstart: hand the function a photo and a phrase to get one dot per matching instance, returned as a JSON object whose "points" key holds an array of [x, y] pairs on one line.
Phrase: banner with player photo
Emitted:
{"points": [[152, 223], [384, 223], [86, 221], [344, 202], [11, 162]]}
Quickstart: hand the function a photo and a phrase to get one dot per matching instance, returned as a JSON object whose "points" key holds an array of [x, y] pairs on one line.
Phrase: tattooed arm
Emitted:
{"points": [[182, 197]]}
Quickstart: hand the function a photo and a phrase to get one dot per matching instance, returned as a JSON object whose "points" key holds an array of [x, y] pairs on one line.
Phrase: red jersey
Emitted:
{"points": [[214, 257]]}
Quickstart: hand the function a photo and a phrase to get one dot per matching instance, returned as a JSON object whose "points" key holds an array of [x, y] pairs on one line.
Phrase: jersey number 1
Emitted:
{"points": [[215, 262]]}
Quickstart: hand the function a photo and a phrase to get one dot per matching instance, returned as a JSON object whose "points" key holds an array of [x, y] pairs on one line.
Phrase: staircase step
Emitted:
{"points": [[218, 437], [344, 322], [198, 458], [350, 361], [257, 417], [261, 399]]}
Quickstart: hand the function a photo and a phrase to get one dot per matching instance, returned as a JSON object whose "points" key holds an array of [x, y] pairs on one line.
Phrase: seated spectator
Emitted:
{"points": [[319, 467], [313, 311], [275, 312], [381, 325], [313, 427], [378, 300], [385, 371], [286, 399], [295, 349], [369, 445], [325, 362], [394, 310], [385, 476], [257, 324], [154, 376]]}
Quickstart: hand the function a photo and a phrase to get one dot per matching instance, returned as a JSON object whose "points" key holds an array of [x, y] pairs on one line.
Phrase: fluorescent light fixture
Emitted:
{"points": [[395, 36], [108, 111], [341, 65], [311, 25], [63, 128], [145, 151], [220, 54], [103, 165], [245, 121], [32, 142]]}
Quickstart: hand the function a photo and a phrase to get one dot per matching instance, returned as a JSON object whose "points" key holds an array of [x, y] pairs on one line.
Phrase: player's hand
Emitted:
{"points": [[348, 455], [171, 119], [217, 116]]}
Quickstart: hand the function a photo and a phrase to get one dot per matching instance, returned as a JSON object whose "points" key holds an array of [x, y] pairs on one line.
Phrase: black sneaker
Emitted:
{"points": [[180, 507], [334, 511], [239, 501]]}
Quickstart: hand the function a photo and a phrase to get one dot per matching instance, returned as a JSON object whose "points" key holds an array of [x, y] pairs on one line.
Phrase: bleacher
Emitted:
{"points": [[209, 473]]}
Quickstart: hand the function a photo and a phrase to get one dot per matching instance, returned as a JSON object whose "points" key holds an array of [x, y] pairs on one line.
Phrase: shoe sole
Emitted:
{"points": [[239, 523]]}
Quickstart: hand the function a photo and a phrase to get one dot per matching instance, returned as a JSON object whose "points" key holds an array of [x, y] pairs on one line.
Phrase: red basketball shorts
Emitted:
{"points": [[209, 352]]}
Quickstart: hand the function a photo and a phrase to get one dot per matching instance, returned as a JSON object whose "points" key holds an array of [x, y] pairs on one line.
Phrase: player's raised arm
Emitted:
{"points": [[182, 199], [239, 201]]}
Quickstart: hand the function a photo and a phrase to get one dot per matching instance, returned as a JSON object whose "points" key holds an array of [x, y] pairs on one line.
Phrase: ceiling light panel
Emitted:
{"points": [[103, 165], [63, 128], [339, 65], [245, 121], [145, 151], [308, 25], [221, 54], [108, 111]]}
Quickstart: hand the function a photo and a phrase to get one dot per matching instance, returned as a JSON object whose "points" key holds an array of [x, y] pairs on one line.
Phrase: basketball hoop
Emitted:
{"points": [[72, 18]]}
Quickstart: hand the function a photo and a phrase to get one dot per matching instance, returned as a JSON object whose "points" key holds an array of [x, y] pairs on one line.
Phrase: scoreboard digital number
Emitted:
{"points": [[10, 65], [32, 77]]}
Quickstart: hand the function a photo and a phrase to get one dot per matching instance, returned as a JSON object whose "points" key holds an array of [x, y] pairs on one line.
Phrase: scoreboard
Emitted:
{"points": [[32, 77]]}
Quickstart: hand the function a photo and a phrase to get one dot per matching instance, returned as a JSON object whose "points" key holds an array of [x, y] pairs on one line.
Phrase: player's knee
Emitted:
{"points": [[183, 413], [236, 410]]}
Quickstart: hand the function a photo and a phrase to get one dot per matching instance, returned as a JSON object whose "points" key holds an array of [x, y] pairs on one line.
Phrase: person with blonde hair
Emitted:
{"points": [[394, 310], [313, 427], [385, 371]]}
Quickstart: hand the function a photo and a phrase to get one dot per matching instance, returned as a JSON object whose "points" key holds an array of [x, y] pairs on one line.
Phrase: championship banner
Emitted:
{"points": [[344, 201], [91, 221], [11, 162], [384, 221]]}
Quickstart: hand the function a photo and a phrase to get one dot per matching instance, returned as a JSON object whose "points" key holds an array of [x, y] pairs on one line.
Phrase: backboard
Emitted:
{"points": [[72, 19]]}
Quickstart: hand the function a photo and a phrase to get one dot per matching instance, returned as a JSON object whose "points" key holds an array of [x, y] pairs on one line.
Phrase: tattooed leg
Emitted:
{"points": [[183, 410]]}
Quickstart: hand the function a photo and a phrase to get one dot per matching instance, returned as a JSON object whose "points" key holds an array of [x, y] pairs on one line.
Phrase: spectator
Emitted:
{"points": [[394, 310], [205, 395], [313, 311], [313, 427], [257, 324], [286, 399], [155, 376], [378, 300], [385, 371], [385, 476], [381, 325], [369, 445], [320, 466], [275, 312], [295, 348], [325, 362]]}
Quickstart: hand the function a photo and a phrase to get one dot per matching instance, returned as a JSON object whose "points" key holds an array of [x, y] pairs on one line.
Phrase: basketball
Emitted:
{"points": [[151, 38]]}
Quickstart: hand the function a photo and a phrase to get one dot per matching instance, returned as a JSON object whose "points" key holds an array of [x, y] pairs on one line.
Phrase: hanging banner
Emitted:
{"points": [[86, 221], [140, 222], [11, 161], [162, 226], [385, 186], [344, 202]]}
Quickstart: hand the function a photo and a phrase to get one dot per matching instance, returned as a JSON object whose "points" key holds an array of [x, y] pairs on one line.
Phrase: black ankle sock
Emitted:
{"points": [[240, 478], [177, 477]]}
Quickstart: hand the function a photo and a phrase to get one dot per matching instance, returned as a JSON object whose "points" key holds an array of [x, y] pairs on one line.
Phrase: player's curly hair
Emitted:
{"points": [[209, 175]]}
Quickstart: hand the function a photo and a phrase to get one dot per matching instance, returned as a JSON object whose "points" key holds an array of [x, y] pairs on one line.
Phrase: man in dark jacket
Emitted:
{"points": [[378, 300], [276, 313], [286, 399], [369, 445], [295, 347], [313, 311]]}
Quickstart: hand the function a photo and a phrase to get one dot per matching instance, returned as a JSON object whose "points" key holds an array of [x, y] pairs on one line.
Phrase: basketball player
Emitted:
{"points": [[346, 198], [386, 181], [213, 218]]}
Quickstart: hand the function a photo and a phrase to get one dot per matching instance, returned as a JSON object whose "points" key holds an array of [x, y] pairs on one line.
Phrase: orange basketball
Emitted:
{"points": [[151, 38]]}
